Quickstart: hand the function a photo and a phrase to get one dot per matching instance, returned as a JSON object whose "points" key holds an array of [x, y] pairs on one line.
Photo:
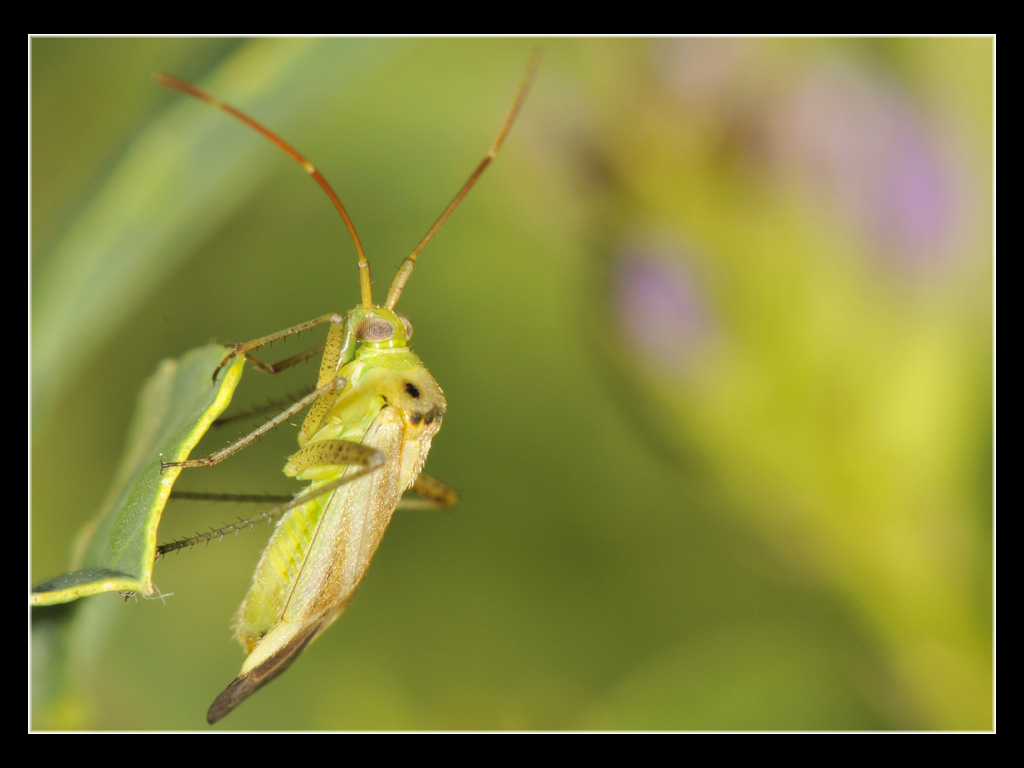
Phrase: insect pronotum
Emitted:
{"points": [[363, 443]]}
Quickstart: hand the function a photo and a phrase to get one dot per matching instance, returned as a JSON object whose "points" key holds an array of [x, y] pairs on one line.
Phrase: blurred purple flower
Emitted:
{"points": [[867, 151], [864, 147], [658, 305]]}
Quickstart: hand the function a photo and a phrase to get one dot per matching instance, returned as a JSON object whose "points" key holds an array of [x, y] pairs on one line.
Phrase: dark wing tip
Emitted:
{"points": [[232, 696], [244, 686]]}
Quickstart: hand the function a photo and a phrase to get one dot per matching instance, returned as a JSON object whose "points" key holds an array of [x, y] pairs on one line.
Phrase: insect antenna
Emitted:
{"points": [[190, 90], [410, 261]]}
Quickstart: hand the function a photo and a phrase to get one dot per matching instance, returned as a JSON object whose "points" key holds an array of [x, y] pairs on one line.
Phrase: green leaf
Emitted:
{"points": [[175, 408]]}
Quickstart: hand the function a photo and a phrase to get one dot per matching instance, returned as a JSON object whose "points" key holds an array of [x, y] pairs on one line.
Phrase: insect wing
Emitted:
{"points": [[244, 686], [315, 561]]}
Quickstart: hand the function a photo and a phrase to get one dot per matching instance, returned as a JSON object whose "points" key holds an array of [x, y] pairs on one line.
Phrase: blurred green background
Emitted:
{"points": [[716, 333]]}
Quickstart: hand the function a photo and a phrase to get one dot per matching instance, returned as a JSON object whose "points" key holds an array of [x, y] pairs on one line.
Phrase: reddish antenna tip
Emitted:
{"points": [[398, 284]]}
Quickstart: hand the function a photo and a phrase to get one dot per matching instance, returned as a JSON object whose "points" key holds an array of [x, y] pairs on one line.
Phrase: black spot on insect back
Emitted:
{"points": [[424, 417], [411, 389]]}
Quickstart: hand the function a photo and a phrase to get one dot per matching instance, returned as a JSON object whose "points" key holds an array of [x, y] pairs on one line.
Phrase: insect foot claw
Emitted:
{"points": [[165, 464], [235, 350]]}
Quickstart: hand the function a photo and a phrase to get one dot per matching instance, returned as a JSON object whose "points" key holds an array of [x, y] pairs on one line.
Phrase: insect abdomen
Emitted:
{"points": [[320, 551], [277, 573]]}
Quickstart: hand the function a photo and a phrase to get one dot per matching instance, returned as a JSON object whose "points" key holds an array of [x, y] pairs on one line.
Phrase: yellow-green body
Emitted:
{"points": [[389, 408]]}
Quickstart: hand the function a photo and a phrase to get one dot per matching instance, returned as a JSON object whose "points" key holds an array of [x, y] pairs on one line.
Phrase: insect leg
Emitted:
{"points": [[288, 362], [433, 494], [245, 347], [334, 453], [223, 453], [329, 452], [238, 498], [337, 348], [273, 405]]}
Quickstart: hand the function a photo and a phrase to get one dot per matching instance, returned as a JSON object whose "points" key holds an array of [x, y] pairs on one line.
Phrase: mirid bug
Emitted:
{"points": [[371, 421]]}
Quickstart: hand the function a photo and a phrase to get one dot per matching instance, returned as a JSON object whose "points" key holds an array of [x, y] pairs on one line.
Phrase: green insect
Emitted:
{"points": [[372, 418]]}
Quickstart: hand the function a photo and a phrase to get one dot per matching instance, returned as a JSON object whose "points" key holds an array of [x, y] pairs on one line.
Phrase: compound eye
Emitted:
{"points": [[408, 326], [375, 329]]}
